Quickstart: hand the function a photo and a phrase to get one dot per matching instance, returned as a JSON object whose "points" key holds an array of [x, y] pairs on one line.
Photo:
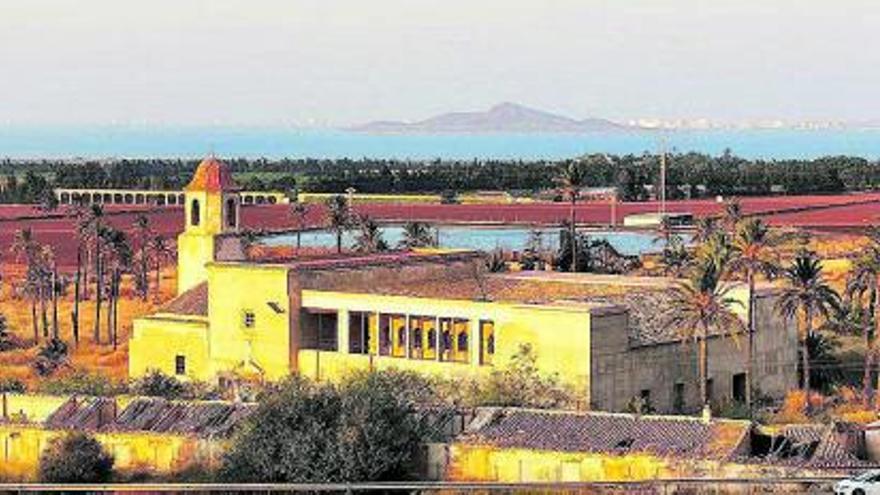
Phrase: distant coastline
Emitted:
{"points": [[96, 142]]}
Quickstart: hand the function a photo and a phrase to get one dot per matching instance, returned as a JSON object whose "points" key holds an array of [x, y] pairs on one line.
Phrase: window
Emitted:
{"points": [[248, 319], [179, 365], [195, 215], [710, 392], [358, 333], [739, 387], [487, 341], [678, 397], [231, 220]]}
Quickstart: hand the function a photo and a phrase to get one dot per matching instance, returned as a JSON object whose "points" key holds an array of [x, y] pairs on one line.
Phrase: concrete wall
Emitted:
{"points": [[621, 372], [22, 445], [559, 336], [156, 341]]}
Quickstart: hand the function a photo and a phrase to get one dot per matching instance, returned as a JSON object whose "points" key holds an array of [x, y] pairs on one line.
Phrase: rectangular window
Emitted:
{"points": [[445, 335], [710, 390], [358, 333], [739, 387], [678, 397], [461, 340], [416, 337], [398, 335], [385, 335], [487, 341], [179, 365], [248, 319]]}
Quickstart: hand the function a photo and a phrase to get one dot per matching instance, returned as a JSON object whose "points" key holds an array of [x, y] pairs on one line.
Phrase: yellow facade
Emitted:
{"points": [[248, 335], [488, 463], [208, 214], [157, 341], [558, 335], [21, 446]]}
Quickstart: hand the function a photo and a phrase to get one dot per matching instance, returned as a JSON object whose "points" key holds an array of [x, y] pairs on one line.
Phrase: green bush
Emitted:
{"points": [[365, 429], [12, 385], [519, 384], [83, 383], [75, 458], [158, 384], [51, 356]]}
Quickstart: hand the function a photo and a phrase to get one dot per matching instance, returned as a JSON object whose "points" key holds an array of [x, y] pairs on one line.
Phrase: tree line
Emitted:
{"points": [[633, 175]]}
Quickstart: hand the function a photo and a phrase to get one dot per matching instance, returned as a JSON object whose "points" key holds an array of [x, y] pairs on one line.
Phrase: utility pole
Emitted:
{"points": [[662, 176]]}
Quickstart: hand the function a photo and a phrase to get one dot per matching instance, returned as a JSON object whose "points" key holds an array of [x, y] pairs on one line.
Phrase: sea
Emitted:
{"points": [[107, 142]]}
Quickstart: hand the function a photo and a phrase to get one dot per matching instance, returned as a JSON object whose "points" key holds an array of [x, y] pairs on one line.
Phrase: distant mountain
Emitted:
{"points": [[504, 117]]}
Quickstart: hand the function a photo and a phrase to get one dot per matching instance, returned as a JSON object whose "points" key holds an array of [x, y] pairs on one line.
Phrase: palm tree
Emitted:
{"points": [[369, 239], [701, 307], [572, 177], [338, 217], [732, 215], [863, 284], [119, 260], [26, 248], [161, 252], [418, 235], [300, 212], [143, 234], [805, 296], [7, 342], [705, 228], [752, 247]]}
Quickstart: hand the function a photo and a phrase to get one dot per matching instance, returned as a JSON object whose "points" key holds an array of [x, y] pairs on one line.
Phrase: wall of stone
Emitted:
{"points": [[621, 372]]}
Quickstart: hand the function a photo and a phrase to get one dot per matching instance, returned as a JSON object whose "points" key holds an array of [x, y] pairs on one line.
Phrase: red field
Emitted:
{"points": [[841, 211]]}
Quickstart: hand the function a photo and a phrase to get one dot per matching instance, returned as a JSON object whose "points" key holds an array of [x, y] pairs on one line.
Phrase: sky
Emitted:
{"points": [[341, 62]]}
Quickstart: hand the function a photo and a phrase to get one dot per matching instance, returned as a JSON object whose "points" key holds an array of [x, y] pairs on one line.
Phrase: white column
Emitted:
{"points": [[474, 341]]}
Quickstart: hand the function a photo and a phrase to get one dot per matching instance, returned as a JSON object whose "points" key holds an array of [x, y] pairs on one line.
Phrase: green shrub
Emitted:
{"points": [[75, 458], [158, 384], [51, 356], [12, 385], [83, 383], [365, 429]]}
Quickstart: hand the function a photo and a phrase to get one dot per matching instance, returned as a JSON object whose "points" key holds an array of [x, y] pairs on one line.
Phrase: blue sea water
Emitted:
{"points": [[130, 141], [480, 238]]}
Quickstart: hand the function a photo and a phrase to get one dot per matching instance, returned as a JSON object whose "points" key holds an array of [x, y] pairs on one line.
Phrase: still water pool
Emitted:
{"points": [[481, 238]]}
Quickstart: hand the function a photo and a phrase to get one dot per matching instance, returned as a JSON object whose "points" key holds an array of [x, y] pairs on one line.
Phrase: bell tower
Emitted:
{"points": [[211, 208]]}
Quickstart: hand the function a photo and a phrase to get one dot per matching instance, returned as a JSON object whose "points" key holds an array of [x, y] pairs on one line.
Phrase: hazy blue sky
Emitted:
{"points": [[346, 61]]}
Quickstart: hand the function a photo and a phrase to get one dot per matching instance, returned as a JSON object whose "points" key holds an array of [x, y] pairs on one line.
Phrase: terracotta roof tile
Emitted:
{"points": [[193, 302], [608, 433], [212, 175]]}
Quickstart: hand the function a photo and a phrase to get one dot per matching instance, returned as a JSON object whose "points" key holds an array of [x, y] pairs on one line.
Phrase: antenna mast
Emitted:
{"points": [[663, 176]]}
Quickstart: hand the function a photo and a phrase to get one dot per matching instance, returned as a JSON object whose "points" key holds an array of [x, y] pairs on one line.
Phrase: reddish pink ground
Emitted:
{"points": [[859, 210]]}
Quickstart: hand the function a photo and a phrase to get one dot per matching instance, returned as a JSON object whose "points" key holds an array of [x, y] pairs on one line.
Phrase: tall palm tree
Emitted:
{"points": [[300, 212], [705, 228], [418, 235], [369, 239], [753, 255], [732, 214], [143, 235], [863, 284], [119, 257], [572, 177], [161, 252], [701, 307], [26, 248], [339, 217], [805, 296]]}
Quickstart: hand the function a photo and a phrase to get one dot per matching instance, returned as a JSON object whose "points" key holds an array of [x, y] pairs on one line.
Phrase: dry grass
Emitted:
{"points": [[87, 356]]}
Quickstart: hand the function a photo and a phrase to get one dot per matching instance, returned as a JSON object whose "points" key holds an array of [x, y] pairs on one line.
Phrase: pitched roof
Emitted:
{"points": [[153, 415], [212, 175], [187, 418], [569, 431], [193, 302]]}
